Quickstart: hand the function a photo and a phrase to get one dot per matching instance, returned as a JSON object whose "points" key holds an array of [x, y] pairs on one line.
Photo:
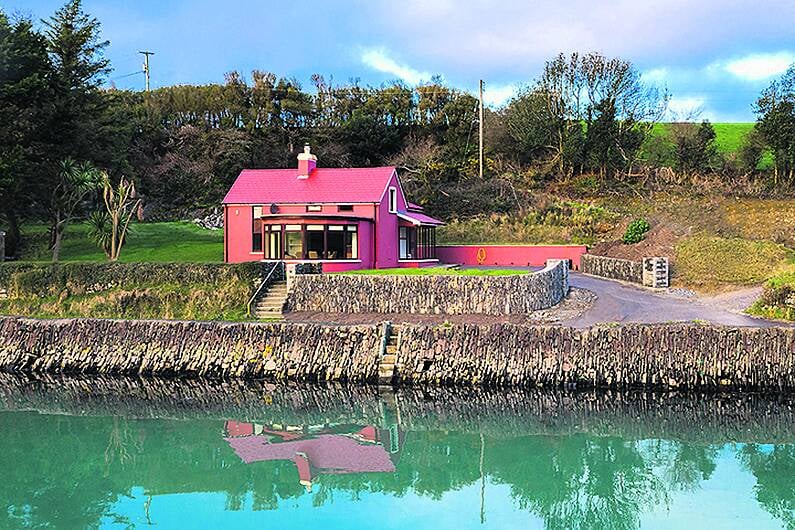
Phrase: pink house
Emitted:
{"points": [[351, 218]]}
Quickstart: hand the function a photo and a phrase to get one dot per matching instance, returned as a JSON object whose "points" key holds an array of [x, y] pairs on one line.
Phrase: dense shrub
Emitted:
{"points": [[636, 231], [778, 298], [187, 291], [25, 279]]}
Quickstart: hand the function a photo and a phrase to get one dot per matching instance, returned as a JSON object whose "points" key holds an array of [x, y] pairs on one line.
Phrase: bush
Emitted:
{"points": [[636, 231], [778, 299], [130, 290], [25, 279]]}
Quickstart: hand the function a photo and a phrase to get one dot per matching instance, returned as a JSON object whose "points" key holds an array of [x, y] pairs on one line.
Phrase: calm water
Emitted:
{"points": [[81, 453]]}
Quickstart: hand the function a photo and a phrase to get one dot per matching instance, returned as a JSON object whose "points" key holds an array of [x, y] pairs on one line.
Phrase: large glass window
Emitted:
{"points": [[273, 246], [335, 242], [351, 242], [293, 242], [256, 229], [312, 242], [315, 242], [417, 242]]}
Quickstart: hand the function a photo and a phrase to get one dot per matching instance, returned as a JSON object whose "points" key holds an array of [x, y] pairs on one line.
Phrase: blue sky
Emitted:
{"points": [[713, 55]]}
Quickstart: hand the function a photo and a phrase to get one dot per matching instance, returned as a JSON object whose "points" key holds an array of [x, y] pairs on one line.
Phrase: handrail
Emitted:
{"points": [[265, 283]]}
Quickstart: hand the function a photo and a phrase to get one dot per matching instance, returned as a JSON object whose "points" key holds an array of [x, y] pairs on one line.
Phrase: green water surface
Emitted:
{"points": [[70, 458]]}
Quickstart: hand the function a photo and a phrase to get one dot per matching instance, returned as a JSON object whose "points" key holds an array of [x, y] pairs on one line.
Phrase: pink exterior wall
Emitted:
{"points": [[518, 255], [237, 235], [387, 228]]}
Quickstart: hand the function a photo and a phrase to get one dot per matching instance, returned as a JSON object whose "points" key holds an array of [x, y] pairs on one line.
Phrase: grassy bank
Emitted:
{"points": [[134, 291]]}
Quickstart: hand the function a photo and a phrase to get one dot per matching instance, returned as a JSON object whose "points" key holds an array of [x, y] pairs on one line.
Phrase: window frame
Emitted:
{"points": [[393, 206]]}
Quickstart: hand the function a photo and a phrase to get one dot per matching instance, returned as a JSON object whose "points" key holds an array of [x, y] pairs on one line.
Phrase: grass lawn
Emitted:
{"points": [[708, 262], [146, 242], [729, 136], [437, 271]]}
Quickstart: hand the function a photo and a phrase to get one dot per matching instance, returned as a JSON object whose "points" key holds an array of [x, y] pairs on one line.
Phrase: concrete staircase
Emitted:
{"points": [[271, 304], [389, 360]]}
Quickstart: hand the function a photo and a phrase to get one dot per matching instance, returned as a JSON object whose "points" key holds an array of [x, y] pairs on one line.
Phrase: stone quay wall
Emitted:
{"points": [[431, 294], [674, 356], [192, 349]]}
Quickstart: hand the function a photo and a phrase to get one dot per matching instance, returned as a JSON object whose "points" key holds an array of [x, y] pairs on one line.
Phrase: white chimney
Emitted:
{"points": [[306, 163]]}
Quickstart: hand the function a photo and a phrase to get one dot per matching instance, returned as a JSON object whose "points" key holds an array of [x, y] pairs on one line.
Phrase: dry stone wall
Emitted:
{"points": [[613, 268], [675, 356], [199, 349], [431, 294]]}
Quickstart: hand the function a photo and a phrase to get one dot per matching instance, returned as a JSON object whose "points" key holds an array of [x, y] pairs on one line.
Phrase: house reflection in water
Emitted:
{"points": [[315, 450]]}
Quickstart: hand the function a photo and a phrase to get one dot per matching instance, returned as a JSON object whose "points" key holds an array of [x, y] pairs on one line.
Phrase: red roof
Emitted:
{"points": [[324, 185]]}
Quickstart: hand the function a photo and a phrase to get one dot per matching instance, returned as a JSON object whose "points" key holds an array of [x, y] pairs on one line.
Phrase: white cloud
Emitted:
{"points": [[498, 95], [378, 59], [655, 76], [687, 108], [760, 66]]}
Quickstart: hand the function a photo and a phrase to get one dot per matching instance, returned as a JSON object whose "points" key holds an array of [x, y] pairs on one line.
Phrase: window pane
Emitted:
{"points": [[314, 208], [294, 246], [336, 243], [257, 212], [351, 245], [293, 227], [314, 244], [274, 245], [256, 235], [315, 227]]}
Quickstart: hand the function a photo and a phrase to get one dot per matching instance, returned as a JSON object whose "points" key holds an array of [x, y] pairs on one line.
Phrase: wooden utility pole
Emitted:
{"points": [[146, 55], [480, 132]]}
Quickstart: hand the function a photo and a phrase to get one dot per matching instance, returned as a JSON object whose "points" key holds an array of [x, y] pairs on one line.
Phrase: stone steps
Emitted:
{"points": [[271, 305], [389, 359]]}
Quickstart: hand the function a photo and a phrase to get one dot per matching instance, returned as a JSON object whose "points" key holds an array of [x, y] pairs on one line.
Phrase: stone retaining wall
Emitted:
{"points": [[675, 355], [200, 349], [613, 268], [431, 294], [666, 356]]}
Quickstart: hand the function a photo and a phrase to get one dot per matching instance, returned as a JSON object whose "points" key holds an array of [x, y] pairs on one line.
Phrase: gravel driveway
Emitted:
{"points": [[619, 302]]}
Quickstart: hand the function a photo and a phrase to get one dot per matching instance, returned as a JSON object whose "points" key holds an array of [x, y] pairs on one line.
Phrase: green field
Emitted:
{"points": [[729, 136], [146, 242]]}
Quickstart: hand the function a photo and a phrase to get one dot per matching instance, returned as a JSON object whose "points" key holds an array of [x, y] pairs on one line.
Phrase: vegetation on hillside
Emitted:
{"points": [[587, 127], [139, 291]]}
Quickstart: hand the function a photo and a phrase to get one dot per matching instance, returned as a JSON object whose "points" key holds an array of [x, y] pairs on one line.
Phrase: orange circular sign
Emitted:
{"points": [[481, 257]]}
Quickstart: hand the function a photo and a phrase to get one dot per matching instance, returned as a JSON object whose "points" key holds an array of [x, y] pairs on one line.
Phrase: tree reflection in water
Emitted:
{"points": [[67, 471]]}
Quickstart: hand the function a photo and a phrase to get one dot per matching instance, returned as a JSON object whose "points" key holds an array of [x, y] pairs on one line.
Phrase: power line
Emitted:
{"points": [[126, 75]]}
